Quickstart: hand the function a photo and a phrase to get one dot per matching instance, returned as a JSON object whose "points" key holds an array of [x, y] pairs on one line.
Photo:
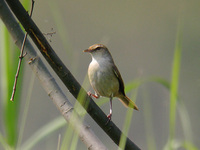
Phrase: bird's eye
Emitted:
{"points": [[98, 48]]}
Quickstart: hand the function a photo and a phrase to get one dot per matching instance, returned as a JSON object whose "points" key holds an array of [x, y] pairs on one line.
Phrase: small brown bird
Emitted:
{"points": [[105, 78]]}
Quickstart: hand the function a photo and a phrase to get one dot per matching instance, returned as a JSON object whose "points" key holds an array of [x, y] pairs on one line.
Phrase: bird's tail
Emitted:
{"points": [[128, 102]]}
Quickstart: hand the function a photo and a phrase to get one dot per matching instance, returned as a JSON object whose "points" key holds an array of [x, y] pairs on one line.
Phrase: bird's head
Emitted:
{"points": [[98, 51]]}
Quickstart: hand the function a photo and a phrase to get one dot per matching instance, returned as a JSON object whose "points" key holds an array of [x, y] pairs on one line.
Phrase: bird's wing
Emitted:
{"points": [[121, 83]]}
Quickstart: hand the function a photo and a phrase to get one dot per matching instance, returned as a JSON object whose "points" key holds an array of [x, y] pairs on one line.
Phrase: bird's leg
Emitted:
{"points": [[93, 95], [110, 114]]}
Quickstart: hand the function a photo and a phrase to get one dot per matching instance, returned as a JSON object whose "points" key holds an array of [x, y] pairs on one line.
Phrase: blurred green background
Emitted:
{"points": [[141, 36]]}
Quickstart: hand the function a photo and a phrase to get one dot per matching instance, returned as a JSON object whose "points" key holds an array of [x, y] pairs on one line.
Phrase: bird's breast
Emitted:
{"points": [[102, 78]]}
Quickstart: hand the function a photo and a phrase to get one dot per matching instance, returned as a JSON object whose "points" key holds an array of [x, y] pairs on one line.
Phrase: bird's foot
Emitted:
{"points": [[93, 95], [109, 116]]}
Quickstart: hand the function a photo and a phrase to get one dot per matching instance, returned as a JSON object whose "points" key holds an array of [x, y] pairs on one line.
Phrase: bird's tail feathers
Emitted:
{"points": [[128, 102]]}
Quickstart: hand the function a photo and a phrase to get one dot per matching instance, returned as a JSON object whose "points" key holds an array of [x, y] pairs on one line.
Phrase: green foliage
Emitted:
{"points": [[174, 86], [43, 132], [127, 124], [9, 61], [10, 110]]}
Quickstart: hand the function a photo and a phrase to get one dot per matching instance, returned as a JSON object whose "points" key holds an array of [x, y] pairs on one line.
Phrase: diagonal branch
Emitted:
{"points": [[65, 75]]}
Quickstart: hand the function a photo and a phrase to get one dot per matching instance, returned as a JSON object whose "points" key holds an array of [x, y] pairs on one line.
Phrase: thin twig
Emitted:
{"points": [[20, 58], [50, 34]]}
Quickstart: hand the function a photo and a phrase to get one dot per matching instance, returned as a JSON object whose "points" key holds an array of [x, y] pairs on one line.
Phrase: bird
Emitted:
{"points": [[105, 78]]}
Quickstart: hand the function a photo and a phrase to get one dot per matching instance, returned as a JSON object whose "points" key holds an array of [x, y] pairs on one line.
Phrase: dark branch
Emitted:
{"points": [[65, 75]]}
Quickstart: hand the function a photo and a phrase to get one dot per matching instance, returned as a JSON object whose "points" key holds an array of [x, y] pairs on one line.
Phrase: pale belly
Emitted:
{"points": [[103, 80]]}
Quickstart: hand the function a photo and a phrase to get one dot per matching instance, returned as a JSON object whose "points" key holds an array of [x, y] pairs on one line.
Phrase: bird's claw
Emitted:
{"points": [[93, 95], [109, 116]]}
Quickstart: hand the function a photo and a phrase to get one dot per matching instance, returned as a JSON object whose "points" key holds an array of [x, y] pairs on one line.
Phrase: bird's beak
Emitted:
{"points": [[86, 50]]}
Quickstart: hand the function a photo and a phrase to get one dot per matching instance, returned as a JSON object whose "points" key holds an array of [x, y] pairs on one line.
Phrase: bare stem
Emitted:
{"points": [[20, 58]]}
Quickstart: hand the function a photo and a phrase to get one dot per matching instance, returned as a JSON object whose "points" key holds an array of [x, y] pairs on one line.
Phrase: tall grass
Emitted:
{"points": [[9, 54], [127, 124], [9, 59], [174, 86], [42, 133]]}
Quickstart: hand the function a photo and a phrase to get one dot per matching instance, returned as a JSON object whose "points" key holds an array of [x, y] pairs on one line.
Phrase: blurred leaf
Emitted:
{"points": [[174, 84], [161, 81], [133, 84], [43, 132], [148, 120], [9, 59], [62, 29], [127, 124], [74, 142], [138, 82], [67, 138], [25, 110], [189, 146], [3, 142]]}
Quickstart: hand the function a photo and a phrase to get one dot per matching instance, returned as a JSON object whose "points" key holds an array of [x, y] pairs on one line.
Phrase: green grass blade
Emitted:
{"points": [[138, 82], [174, 86], [9, 60], [4, 143], [43, 132], [148, 119], [10, 110], [25, 112], [127, 124], [74, 142], [189, 146], [61, 28], [186, 125], [134, 84], [67, 138], [126, 128], [165, 83]]}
